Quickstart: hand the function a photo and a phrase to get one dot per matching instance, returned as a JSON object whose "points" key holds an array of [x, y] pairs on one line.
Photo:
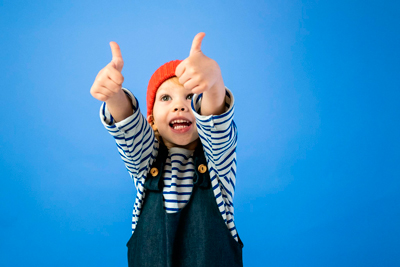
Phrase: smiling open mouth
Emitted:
{"points": [[179, 124]]}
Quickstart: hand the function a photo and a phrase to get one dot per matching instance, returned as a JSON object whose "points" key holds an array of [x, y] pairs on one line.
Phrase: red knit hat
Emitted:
{"points": [[162, 74]]}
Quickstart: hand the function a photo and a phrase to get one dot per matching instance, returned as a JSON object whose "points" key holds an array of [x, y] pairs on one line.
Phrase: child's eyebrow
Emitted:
{"points": [[161, 93], [167, 91], [163, 88]]}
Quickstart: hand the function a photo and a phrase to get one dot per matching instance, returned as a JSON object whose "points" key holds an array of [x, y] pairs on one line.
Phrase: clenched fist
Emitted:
{"points": [[108, 82], [199, 73]]}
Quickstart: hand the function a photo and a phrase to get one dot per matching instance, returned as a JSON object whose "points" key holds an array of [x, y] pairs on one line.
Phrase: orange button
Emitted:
{"points": [[154, 172], [202, 168]]}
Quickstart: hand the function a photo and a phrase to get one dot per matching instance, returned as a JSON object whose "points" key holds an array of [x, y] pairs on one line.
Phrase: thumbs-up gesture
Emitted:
{"points": [[108, 82], [198, 72], [201, 74]]}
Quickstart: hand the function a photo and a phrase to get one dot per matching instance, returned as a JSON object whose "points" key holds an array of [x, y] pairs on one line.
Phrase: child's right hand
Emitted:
{"points": [[108, 82]]}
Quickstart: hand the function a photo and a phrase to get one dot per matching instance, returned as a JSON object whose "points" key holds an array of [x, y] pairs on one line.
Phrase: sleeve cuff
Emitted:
{"points": [[109, 122], [214, 121]]}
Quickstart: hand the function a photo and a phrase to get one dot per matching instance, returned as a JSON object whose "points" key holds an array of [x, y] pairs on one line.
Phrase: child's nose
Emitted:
{"points": [[179, 108]]}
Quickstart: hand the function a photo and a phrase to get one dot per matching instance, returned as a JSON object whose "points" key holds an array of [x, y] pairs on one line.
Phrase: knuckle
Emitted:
{"points": [[93, 90], [100, 73], [107, 70], [192, 71], [178, 71], [121, 79], [100, 79]]}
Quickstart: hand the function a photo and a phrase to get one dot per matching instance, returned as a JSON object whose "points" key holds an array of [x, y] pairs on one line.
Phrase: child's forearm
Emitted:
{"points": [[119, 106], [213, 102]]}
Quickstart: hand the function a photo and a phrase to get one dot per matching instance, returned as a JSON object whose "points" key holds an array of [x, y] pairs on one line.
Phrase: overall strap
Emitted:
{"points": [[202, 176], [154, 181]]}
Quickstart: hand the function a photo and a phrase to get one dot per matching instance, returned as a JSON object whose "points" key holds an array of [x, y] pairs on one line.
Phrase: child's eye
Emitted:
{"points": [[165, 98], [190, 96]]}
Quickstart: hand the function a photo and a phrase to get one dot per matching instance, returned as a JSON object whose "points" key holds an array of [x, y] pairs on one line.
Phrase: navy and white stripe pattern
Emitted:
{"points": [[178, 179], [138, 148]]}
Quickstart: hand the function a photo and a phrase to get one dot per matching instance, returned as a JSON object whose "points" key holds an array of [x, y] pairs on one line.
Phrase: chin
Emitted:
{"points": [[191, 144], [184, 143]]}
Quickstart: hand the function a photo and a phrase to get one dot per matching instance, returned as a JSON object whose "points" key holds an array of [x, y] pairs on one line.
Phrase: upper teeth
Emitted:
{"points": [[179, 121]]}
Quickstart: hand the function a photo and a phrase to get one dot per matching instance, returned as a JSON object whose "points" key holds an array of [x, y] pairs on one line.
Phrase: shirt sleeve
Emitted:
{"points": [[135, 140], [218, 134]]}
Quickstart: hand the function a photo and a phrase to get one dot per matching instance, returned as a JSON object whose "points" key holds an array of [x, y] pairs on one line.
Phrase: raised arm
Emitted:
{"points": [[120, 115], [107, 86]]}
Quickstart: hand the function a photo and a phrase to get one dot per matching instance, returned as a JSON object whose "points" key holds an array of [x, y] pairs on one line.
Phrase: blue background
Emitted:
{"points": [[317, 90]]}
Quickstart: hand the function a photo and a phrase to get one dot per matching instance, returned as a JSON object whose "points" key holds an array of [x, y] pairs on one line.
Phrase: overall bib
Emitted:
{"points": [[196, 236]]}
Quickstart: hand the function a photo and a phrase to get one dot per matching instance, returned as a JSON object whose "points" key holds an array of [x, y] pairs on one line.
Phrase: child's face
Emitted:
{"points": [[173, 116]]}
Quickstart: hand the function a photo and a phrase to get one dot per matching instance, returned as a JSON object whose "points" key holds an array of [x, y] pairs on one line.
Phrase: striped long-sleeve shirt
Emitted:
{"points": [[138, 148]]}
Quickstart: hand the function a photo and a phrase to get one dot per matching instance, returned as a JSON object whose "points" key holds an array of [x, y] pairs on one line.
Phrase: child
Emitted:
{"points": [[182, 160]]}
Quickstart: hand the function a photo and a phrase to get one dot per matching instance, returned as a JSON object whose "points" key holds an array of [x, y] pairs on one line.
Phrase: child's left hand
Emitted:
{"points": [[199, 73]]}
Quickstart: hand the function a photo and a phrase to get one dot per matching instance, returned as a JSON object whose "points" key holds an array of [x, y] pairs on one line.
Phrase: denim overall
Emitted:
{"points": [[196, 236]]}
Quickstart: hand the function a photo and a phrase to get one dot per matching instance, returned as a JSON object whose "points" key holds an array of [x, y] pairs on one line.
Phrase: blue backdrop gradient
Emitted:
{"points": [[317, 86]]}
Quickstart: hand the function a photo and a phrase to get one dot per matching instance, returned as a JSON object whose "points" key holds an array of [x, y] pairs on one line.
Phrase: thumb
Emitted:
{"points": [[196, 44], [117, 60]]}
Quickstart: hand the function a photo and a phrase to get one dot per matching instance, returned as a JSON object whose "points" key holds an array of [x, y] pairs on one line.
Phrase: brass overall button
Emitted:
{"points": [[154, 172], [202, 168]]}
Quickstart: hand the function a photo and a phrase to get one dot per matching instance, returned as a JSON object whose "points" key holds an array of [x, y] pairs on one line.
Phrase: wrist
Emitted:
{"points": [[117, 97], [120, 106], [213, 102], [217, 90]]}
